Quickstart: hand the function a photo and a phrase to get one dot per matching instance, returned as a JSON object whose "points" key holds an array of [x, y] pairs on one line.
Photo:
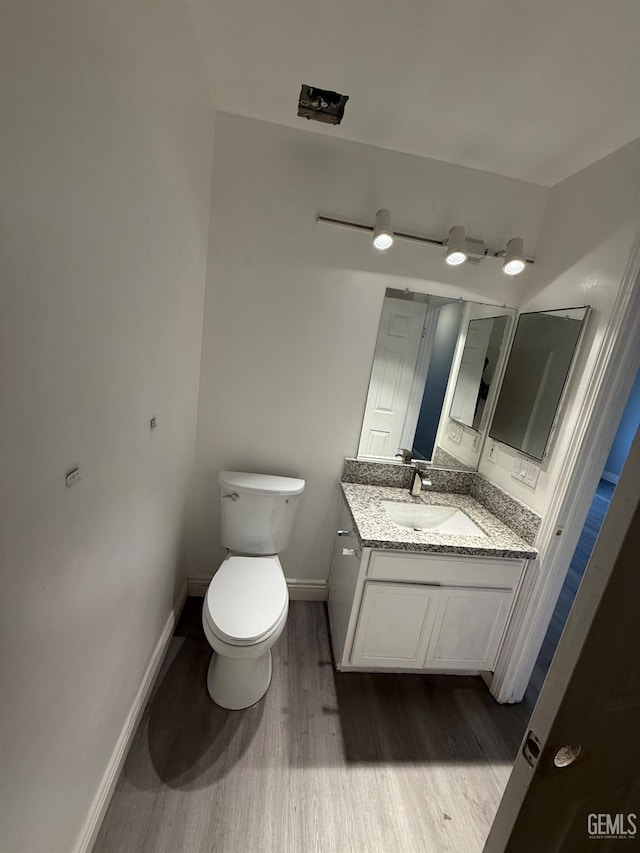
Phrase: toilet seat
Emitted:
{"points": [[246, 599]]}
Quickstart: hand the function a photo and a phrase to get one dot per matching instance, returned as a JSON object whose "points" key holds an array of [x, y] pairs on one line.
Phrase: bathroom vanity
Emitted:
{"points": [[431, 559], [422, 583]]}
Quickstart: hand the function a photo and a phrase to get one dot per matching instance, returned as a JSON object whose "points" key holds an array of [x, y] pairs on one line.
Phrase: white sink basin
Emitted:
{"points": [[425, 517]]}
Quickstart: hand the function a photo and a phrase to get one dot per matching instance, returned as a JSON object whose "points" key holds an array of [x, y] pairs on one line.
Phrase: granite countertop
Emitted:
{"points": [[376, 530]]}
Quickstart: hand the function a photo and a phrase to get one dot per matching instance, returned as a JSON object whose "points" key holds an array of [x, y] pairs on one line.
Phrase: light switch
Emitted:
{"points": [[526, 471], [533, 472]]}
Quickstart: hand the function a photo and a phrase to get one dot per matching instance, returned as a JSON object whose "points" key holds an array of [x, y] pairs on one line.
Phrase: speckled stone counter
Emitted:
{"points": [[376, 530], [521, 519]]}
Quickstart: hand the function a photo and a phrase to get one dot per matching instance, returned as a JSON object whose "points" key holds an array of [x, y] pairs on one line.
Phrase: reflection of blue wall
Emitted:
{"points": [[626, 432], [444, 345]]}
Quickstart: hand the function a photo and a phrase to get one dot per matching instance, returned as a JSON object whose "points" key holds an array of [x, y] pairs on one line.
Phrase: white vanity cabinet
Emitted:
{"points": [[407, 610]]}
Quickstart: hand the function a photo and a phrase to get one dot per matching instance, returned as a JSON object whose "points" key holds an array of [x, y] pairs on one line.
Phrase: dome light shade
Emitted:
{"points": [[514, 258], [382, 233], [456, 248]]}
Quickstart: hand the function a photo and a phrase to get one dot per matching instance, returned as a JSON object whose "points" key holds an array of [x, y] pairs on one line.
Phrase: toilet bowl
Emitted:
{"points": [[247, 602], [244, 613]]}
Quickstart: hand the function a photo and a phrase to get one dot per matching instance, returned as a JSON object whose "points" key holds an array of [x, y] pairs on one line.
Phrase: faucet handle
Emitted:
{"points": [[405, 455]]}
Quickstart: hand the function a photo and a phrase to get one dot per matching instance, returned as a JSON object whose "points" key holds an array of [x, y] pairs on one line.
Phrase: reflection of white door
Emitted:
{"points": [[392, 376], [471, 369], [590, 706]]}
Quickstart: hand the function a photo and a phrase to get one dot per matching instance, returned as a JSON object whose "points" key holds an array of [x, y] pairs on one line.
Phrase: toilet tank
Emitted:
{"points": [[257, 511]]}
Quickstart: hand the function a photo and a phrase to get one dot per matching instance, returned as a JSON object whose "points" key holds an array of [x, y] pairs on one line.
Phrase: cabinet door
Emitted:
{"points": [[468, 628], [394, 626]]}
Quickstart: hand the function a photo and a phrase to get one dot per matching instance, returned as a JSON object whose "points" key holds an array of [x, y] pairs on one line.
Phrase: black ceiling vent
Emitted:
{"points": [[321, 104]]}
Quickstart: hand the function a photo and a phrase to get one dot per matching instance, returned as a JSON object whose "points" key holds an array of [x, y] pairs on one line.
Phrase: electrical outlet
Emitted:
{"points": [[455, 433], [153, 423], [73, 477]]}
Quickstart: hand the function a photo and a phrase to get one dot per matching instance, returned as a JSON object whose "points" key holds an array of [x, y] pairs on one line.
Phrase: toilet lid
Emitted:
{"points": [[246, 598]]}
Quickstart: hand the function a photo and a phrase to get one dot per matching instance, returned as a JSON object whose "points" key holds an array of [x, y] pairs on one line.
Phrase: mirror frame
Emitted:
{"points": [[559, 407]]}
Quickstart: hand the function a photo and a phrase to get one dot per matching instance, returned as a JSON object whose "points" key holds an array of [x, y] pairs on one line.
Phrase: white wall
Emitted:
{"points": [[293, 307], [590, 224], [106, 154]]}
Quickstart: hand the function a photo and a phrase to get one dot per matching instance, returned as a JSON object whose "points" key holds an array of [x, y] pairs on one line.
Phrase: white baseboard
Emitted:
{"points": [[299, 590], [610, 478], [198, 586], [107, 785], [307, 590]]}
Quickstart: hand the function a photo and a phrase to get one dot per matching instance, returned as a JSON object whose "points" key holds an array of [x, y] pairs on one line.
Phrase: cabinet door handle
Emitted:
{"points": [[344, 532]]}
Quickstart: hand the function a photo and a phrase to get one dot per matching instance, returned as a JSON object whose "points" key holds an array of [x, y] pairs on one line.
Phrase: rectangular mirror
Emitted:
{"points": [[543, 349], [480, 357], [420, 347]]}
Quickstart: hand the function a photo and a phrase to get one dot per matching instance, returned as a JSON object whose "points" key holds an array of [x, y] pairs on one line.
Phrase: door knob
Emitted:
{"points": [[566, 755]]}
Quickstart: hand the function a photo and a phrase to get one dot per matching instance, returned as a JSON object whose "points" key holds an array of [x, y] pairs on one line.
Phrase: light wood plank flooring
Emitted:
{"points": [[592, 525], [325, 762]]}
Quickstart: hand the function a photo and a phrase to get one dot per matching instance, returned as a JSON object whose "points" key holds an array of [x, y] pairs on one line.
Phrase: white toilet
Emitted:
{"points": [[246, 605]]}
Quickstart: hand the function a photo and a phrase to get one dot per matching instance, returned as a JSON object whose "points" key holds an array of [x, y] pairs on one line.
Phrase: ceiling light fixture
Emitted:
{"points": [[456, 246], [382, 233], [459, 247], [514, 257]]}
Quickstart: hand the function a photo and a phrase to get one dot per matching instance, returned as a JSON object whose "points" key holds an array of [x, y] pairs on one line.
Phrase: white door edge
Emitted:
{"points": [[616, 366]]}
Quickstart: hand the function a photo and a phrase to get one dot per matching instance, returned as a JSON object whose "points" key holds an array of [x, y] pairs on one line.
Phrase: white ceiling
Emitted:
{"points": [[532, 89]]}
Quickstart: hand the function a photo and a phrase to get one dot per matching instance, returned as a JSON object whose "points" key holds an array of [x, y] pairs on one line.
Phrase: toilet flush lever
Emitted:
{"points": [[233, 495]]}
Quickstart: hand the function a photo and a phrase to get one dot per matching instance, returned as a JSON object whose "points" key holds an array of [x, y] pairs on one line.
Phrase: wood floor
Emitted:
{"points": [[375, 763], [597, 512]]}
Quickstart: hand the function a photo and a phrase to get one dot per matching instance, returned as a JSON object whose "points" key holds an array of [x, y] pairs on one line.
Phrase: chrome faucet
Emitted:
{"points": [[420, 479], [405, 455]]}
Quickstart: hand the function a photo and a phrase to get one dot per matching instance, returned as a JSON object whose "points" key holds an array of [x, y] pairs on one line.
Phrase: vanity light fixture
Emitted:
{"points": [[456, 247], [514, 257], [382, 233], [460, 248]]}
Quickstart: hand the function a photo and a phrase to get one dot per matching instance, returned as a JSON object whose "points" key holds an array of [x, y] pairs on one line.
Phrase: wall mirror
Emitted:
{"points": [[477, 371], [420, 350], [536, 374]]}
